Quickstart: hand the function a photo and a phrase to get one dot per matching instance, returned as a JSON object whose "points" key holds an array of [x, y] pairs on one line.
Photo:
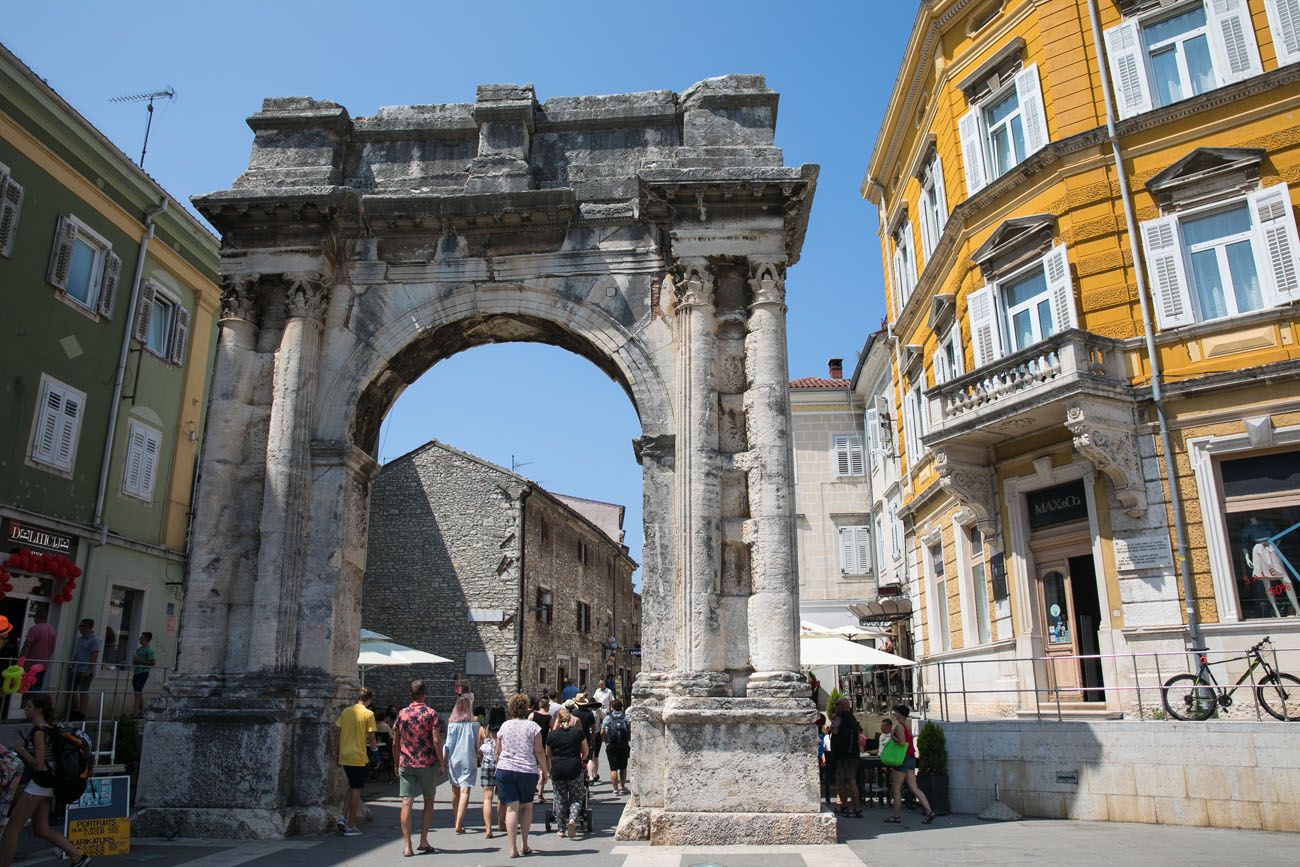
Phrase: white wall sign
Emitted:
{"points": [[1143, 552], [486, 615]]}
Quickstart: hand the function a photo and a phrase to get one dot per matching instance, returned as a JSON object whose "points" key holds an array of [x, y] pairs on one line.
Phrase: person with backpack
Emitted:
{"points": [[617, 732], [42, 750]]}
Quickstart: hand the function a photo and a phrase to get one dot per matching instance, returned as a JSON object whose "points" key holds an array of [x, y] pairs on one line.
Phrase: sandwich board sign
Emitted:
{"points": [[99, 823]]}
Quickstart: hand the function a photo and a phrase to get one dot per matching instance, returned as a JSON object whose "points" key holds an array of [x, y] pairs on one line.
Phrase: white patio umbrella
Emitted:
{"points": [[371, 635], [377, 652], [817, 650]]}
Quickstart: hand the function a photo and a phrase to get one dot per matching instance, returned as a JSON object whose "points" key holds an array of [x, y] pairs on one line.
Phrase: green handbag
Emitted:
{"points": [[892, 754]]}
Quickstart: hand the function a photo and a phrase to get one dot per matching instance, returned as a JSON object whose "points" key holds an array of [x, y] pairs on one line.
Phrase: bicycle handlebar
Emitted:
{"points": [[1267, 639]]}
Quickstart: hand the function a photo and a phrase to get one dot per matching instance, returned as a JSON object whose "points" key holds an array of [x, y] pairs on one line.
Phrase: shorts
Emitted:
{"points": [[488, 777], [81, 682], [846, 770], [357, 775], [617, 758], [35, 789], [417, 781], [596, 741], [138, 681], [514, 786], [909, 764]]}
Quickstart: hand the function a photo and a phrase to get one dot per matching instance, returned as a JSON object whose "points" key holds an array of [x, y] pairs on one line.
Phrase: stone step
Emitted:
{"points": [[1073, 710]]}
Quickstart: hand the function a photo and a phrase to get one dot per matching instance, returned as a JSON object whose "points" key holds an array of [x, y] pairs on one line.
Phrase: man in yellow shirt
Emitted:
{"points": [[356, 727]]}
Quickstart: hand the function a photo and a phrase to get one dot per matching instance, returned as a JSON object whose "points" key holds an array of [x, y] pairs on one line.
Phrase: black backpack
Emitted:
{"points": [[69, 762], [618, 732]]}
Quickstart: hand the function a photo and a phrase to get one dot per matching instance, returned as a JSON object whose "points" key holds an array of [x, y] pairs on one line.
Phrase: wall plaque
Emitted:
{"points": [[1151, 551]]}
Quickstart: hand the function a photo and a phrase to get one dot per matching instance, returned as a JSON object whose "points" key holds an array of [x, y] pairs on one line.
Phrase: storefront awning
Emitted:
{"points": [[884, 611]]}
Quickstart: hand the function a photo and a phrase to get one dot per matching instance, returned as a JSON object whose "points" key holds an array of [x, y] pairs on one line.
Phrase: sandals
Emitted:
{"points": [[929, 817], [894, 820]]}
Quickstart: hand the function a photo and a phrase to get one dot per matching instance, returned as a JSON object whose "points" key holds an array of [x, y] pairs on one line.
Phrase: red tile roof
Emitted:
{"points": [[818, 382]]}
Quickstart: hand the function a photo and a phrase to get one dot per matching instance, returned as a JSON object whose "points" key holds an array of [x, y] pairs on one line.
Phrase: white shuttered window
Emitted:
{"points": [[1003, 130], [1166, 58], [140, 467], [848, 455], [1223, 261], [855, 550], [11, 206], [1284, 24], [1025, 307], [57, 425]]}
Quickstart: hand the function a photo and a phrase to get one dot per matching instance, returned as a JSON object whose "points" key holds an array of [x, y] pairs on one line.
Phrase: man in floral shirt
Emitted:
{"points": [[417, 741]]}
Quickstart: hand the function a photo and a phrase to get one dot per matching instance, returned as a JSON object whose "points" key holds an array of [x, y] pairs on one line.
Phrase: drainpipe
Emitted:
{"points": [[1194, 640], [119, 381]]}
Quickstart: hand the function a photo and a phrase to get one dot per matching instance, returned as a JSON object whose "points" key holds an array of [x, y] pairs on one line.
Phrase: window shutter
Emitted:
{"points": [[911, 445], [61, 255], [900, 297], [847, 564], [108, 284], [1056, 265], [926, 247], [841, 455], [1030, 93], [1232, 34], [144, 310], [149, 469], [47, 424], [872, 423], [133, 467], [65, 449], [855, 456], [971, 129], [1284, 23], [941, 195], [1167, 273], [981, 317], [883, 418], [895, 533], [1276, 246], [862, 542], [181, 335], [11, 206], [1128, 71]]}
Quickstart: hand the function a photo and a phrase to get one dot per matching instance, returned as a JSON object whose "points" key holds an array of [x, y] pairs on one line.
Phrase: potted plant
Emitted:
{"points": [[932, 766]]}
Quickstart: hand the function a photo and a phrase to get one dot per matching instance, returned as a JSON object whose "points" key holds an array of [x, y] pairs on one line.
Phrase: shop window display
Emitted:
{"points": [[1262, 506]]}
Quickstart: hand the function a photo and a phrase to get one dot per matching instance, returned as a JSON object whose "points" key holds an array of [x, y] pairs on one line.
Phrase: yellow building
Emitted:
{"points": [[1079, 241]]}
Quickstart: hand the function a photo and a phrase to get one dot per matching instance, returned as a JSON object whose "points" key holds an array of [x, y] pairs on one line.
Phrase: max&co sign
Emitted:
{"points": [[17, 534], [1057, 505]]}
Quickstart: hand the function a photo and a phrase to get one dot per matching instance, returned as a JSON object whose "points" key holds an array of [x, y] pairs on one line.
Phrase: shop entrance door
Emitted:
{"points": [[1071, 615]]}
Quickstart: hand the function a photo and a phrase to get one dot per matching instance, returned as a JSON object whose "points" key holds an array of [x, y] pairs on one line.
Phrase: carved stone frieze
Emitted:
{"points": [[1107, 435], [306, 295], [968, 478]]}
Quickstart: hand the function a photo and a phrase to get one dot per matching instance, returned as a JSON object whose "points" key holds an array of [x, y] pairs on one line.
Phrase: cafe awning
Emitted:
{"points": [[818, 650], [884, 611]]}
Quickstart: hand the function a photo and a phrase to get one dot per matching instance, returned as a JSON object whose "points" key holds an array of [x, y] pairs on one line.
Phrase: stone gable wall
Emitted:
{"points": [[444, 538]]}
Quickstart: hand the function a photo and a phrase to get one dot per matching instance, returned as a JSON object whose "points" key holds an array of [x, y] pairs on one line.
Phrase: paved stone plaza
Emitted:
{"points": [[951, 840]]}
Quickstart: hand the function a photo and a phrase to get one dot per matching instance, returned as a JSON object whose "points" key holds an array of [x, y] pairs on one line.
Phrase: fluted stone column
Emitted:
{"points": [[700, 658], [220, 515], [286, 501], [770, 532]]}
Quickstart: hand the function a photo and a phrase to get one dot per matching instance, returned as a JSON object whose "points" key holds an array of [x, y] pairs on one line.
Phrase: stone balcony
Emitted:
{"points": [[1026, 392]]}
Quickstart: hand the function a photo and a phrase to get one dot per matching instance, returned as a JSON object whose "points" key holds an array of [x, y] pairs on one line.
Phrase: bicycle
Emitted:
{"points": [[1195, 697]]}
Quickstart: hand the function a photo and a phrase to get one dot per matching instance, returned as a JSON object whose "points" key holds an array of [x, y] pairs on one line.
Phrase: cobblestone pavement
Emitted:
{"points": [[951, 840]]}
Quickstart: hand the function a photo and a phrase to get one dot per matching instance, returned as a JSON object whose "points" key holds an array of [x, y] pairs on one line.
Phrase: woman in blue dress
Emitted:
{"points": [[461, 752]]}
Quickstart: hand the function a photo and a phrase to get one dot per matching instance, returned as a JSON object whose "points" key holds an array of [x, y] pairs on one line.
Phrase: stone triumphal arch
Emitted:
{"points": [[649, 232]]}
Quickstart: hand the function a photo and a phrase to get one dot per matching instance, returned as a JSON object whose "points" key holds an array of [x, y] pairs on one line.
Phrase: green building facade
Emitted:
{"points": [[97, 456]]}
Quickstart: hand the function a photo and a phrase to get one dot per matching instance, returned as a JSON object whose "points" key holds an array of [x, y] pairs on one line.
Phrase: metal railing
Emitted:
{"points": [[1130, 684], [110, 695]]}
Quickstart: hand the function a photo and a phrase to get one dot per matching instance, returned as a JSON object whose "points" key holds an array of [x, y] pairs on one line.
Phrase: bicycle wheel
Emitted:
{"points": [[1187, 697], [1279, 694]]}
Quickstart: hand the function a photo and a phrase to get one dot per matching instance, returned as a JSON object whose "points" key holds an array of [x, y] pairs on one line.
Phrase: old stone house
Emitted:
{"points": [[519, 587]]}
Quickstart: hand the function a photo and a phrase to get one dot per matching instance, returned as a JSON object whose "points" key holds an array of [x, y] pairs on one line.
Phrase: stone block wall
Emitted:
{"points": [[1219, 774], [552, 533], [444, 539]]}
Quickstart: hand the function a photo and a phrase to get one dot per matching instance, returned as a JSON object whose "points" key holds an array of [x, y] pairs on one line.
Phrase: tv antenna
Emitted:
{"points": [[169, 93], [515, 465]]}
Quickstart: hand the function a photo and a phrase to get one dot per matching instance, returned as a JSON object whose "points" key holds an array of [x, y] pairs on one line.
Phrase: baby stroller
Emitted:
{"points": [[586, 821]]}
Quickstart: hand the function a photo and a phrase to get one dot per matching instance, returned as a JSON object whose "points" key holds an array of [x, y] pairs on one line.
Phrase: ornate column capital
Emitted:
{"points": [[1107, 435], [767, 282], [239, 295], [306, 295], [969, 481], [693, 286]]}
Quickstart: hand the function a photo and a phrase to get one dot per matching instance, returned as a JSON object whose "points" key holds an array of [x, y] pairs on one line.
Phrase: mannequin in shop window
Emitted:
{"points": [[1265, 564]]}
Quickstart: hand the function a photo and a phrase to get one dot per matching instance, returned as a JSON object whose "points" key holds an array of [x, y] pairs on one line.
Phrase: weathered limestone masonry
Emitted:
{"points": [[648, 232]]}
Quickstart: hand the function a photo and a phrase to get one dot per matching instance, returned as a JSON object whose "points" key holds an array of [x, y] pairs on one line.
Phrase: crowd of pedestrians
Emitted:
{"points": [[511, 753]]}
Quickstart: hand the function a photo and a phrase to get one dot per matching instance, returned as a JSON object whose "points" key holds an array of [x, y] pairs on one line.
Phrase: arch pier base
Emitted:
{"points": [[649, 233]]}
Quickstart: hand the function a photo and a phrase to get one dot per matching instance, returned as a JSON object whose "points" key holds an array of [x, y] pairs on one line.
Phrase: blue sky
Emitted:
{"points": [[832, 62]]}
